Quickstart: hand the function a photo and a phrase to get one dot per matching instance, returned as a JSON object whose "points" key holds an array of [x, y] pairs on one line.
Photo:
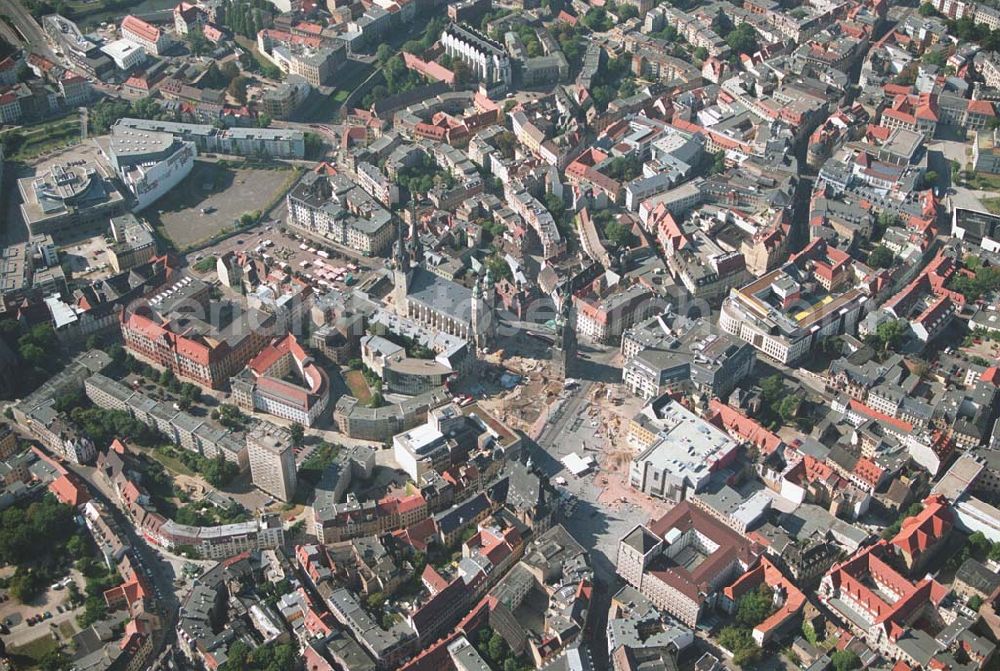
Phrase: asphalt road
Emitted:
{"points": [[158, 572], [21, 19]]}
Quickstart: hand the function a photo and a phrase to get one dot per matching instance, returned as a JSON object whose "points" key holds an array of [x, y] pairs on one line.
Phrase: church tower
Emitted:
{"points": [[401, 272], [416, 248], [484, 318], [490, 290], [564, 349], [477, 316]]}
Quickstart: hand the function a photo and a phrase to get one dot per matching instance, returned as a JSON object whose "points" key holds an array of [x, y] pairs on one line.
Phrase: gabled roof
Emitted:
{"points": [[146, 31], [924, 530]]}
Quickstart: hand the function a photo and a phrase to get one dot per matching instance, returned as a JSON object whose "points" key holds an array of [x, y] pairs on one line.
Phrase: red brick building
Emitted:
{"points": [[193, 349]]}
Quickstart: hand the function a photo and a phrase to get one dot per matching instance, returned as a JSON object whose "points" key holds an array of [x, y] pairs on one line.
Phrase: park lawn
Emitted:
{"points": [[171, 463], [36, 649], [43, 137], [984, 182], [355, 380], [341, 95], [67, 629], [992, 205], [251, 47], [79, 10], [31, 149]]}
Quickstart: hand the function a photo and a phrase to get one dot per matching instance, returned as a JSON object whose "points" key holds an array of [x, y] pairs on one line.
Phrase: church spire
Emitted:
{"points": [[401, 257], [416, 248]]}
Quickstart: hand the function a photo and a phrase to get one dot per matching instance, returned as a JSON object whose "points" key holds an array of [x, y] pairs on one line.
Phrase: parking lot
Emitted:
{"points": [[55, 602], [209, 199], [87, 258]]}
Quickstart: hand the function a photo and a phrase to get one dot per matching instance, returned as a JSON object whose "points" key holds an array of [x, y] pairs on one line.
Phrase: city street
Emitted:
{"points": [[22, 21], [159, 572]]}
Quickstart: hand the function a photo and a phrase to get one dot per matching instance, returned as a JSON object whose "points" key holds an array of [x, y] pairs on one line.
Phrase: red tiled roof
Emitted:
{"points": [[732, 547], [411, 503], [868, 411], [435, 581], [745, 427], [143, 30], [766, 573], [984, 107], [922, 531], [69, 490]]}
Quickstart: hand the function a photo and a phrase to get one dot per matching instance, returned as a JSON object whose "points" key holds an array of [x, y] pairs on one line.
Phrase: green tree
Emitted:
{"points": [[197, 42], [167, 377], [623, 169], [626, 12], [12, 142], [597, 19], [95, 610], [496, 647], [754, 607], [809, 632], [33, 354], [207, 264], [498, 267], [701, 53], [881, 257], [739, 641], [219, 472], [618, 234], [719, 162], [845, 660], [237, 88], [25, 585], [375, 600], [927, 9], [55, 660], [77, 547], [722, 24], [314, 145], [743, 39], [384, 53], [884, 221], [297, 432], [28, 528], [748, 656], [890, 334]]}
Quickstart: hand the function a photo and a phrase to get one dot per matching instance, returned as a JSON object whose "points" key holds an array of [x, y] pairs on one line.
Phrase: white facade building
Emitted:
{"points": [[149, 163], [125, 53], [488, 60]]}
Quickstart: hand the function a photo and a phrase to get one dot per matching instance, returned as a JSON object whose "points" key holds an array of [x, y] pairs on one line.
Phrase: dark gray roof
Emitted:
{"points": [[457, 517], [642, 539], [441, 295], [977, 576]]}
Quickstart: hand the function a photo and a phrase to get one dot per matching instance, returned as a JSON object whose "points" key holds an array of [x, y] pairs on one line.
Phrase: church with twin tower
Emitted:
{"points": [[440, 303]]}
